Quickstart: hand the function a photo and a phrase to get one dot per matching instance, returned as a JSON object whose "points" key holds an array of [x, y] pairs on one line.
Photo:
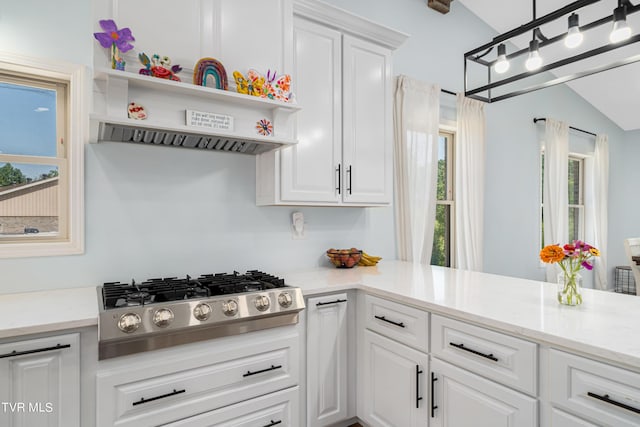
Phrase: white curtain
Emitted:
{"points": [[556, 199], [416, 124], [469, 183], [596, 202]]}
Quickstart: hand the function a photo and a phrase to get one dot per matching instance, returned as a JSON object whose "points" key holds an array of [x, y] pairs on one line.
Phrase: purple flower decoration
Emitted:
{"points": [[586, 265], [112, 35]]}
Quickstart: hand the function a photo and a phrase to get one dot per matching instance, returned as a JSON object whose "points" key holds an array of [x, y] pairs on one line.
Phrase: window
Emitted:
{"points": [[40, 158], [443, 230], [575, 198]]}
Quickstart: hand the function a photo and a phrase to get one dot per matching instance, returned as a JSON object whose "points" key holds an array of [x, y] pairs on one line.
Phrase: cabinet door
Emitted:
{"points": [[40, 382], [310, 169], [326, 360], [367, 133], [485, 403], [393, 383]]}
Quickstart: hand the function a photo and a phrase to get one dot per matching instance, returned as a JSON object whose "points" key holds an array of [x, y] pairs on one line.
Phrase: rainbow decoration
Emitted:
{"points": [[206, 67]]}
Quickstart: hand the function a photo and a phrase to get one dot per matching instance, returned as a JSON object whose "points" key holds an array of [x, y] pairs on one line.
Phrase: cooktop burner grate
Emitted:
{"points": [[117, 294]]}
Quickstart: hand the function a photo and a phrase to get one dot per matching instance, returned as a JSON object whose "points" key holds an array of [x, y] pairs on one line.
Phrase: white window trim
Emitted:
{"points": [[76, 76], [449, 127]]}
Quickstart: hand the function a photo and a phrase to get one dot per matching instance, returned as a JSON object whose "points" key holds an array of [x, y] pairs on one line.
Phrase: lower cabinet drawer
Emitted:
{"points": [[275, 409], [508, 360], [603, 393], [183, 381], [404, 324], [563, 419]]}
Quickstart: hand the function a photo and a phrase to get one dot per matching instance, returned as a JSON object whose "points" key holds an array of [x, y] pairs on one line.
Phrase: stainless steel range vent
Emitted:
{"points": [[141, 135]]}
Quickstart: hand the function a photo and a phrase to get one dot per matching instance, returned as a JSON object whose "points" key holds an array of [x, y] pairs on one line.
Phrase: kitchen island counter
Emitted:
{"points": [[605, 326]]}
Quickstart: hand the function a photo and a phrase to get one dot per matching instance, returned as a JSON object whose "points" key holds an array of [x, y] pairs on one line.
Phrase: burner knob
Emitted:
{"points": [[284, 299], [162, 317], [262, 302], [202, 311], [129, 322], [230, 308]]}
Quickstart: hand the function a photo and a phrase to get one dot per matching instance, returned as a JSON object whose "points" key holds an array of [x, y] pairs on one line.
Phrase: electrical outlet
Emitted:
{"points": [[297, 226]]}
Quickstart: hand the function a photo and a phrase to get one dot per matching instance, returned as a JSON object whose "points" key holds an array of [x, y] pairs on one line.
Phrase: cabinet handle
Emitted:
{"points": [[433, 395], [418, 398], [273, 423], [143, 400], [486, 356], [339, 179], [338, 301], [607, 399], [39, 350], [400, 324], [272, 368], [349, 173]]}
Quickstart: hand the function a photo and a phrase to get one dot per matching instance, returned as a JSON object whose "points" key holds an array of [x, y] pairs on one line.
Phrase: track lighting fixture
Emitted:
{"points": [[485, 71], [621, 30], [502, 64], [574, 37], [534, 61]]}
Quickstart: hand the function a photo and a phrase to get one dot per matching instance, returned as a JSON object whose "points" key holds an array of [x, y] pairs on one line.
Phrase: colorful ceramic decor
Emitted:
{"points": [[159, 67], [256, 84], [264, 127], [116, 40], [136, 111], [210, 67]]}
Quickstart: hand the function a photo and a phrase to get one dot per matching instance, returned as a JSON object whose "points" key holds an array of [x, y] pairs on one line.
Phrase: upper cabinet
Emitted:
{"points": [[342, 76], [241, 34]]}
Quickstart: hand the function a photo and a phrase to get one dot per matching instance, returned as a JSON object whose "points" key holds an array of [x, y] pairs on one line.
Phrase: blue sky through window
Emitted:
{"points": [[28, 124]]}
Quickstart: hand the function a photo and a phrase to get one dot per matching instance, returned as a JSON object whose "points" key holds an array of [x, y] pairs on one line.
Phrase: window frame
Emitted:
{"points": [[70, 166], [450, 133], [581, 192]]}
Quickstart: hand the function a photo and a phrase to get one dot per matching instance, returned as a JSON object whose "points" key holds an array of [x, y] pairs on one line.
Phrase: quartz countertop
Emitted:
{"points": [[47, 311], [606, 325]]}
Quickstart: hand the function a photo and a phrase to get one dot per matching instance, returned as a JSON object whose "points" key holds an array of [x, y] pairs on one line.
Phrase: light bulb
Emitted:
{"points": [[621, 30], [502, 64], [574, 37], [534, 61]]}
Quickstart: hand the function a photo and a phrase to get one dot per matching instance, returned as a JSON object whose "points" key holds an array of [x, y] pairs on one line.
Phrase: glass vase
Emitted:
{"points": [[569, 288]]}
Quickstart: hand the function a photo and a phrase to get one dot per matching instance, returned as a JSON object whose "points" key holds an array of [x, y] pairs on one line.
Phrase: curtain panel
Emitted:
{"points": [[416, 130]]}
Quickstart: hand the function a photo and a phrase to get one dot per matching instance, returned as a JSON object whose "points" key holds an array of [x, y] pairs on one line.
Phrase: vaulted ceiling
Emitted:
{"points": [[615, 92]]}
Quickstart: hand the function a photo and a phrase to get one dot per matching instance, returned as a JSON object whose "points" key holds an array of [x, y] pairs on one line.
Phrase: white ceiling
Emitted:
{"points": [[616, 92]]}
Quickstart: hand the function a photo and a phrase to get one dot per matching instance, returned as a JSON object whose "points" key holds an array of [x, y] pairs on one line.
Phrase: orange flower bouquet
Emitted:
{"points": [[571, 258]]}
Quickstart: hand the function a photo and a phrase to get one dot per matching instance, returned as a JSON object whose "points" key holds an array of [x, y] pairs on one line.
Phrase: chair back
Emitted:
{"points": [[632, 248]]}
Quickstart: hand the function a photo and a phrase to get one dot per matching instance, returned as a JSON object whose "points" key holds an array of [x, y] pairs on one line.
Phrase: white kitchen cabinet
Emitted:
{"points": [[393, 383], [342, 77], [275, 409], [161, 386], [462, 399], [40, 382], [327, 362], [601, 393]]}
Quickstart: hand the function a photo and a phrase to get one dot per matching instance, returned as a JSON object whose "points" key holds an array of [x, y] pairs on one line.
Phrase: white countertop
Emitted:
{"points": [[606, 325], [47, 311]]}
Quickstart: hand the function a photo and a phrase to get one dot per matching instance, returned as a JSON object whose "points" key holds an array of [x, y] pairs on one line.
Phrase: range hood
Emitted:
{"points": [[166, 102]]}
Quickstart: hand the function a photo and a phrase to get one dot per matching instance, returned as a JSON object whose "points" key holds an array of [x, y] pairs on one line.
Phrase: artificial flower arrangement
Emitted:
{"points": [[118, 40], [571, 258]]}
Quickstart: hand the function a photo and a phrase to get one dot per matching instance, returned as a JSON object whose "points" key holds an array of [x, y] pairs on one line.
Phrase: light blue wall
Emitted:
{"points": [[154, 211]]}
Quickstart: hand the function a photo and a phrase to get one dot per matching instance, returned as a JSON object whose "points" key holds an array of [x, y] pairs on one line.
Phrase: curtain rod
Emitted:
{"points": [[542, 119], [448, 92]]}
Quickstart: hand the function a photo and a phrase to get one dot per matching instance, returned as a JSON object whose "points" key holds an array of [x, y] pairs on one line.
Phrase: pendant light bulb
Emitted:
{"points": [[502, 64], [621, 30], [534, 61], [574, 37]]}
